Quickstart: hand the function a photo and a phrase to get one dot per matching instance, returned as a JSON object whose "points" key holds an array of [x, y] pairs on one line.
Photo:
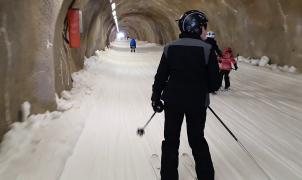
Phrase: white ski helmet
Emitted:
{"points": [[211, 34]]}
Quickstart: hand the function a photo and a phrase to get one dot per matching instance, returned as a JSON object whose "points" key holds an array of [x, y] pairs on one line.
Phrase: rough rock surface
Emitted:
{"points": [[252, 27], [36, 63]]}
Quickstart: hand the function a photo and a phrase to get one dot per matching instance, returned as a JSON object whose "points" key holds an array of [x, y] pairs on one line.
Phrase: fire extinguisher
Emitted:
{"points": [[73, 17]]}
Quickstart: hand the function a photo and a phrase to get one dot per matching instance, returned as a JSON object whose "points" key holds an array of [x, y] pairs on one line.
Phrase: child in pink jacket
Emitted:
{"points": [[225, 63]]}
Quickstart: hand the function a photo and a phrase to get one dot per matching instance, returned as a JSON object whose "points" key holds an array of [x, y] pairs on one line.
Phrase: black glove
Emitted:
{"points": [[236, 67], [158, 106]]}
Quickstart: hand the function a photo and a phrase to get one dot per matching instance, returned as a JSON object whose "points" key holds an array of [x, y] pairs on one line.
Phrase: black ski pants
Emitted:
{"points": [[225, 75], [195, 118], [132, 48]]}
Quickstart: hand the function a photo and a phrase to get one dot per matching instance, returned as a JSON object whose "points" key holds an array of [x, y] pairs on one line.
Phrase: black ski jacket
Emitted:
{"points": [[187, 73], [214, 44]]}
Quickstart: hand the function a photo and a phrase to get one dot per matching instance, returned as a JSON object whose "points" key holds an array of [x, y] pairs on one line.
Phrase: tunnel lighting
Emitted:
{"points": [[120, 35], [114, 13], [113, 6]]}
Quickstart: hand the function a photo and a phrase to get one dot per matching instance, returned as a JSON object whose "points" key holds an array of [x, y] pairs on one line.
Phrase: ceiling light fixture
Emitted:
{"points": [[113, 7]]}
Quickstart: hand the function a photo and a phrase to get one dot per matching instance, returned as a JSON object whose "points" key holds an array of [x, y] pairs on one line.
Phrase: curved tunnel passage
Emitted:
{"points": [[153, 27], [36, 63], [44, 62]]}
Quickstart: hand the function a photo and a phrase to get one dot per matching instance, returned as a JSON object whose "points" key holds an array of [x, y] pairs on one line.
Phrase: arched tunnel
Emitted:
{"points": [[38, 69]]}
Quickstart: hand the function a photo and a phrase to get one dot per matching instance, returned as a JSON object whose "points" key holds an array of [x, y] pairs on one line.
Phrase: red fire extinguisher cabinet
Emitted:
{"points": [[74, 28]]}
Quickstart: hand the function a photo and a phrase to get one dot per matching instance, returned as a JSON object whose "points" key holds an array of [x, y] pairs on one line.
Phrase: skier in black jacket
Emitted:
{"points": [[187, 73], [211, 40]]}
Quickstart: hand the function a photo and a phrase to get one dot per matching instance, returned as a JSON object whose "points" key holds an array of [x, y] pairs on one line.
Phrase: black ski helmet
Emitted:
{"points": [[192, 22]]}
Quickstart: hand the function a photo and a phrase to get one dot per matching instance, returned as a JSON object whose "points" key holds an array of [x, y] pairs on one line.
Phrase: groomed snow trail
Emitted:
{"points": [[95, 138], [263, 109]]}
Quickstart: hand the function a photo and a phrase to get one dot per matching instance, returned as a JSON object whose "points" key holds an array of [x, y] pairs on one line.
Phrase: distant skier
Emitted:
{"points": [[184, 79], [132, 45], [211, 40], [225, 63]]}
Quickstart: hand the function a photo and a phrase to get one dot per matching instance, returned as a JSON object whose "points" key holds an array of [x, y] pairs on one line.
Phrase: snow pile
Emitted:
{"points": [[63, 104], [29, 145], [92, 63], [292, 69], [98, 53], [20, 139], [82, 83], [243, 59], [66, 95], [255, 62], [273, 67], [264, 62], [285, 68]]}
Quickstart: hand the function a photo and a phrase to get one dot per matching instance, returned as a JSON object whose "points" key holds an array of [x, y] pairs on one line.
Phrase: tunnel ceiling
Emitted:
{"points": [[146, 20]]}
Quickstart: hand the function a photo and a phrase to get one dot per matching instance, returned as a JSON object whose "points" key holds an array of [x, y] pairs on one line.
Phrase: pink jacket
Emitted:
{"points": [[226, 60]]}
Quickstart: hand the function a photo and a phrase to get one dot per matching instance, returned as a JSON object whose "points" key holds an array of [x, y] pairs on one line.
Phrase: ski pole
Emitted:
{"points": [[141, 131], [234, 69], [238, 141]]}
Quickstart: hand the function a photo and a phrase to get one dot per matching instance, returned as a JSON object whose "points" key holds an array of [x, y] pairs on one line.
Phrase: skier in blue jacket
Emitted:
{"points": [[132, 45]]}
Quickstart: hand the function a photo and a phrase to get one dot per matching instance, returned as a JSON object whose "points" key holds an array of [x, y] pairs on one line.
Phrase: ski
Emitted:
{"points": [[155, 163], [189, 164]]}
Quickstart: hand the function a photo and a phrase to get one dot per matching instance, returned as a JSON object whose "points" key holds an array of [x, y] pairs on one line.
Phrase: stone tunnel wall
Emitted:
{"points": [[35, 62], [252, 27], [256, 28]]}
